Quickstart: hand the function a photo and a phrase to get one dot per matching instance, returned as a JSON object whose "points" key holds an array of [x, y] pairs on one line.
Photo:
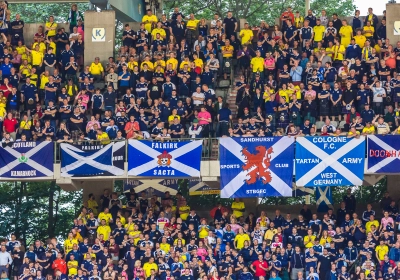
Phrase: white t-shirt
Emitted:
{"points": [[196, 94]]}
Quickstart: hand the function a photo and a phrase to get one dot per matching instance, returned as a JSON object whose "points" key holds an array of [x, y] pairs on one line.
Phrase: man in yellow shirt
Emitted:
{"points": [[147, 267], [257, 65], [103, 137], [158, 30], [37, 56], [368, 30], [227, 53], [346, 32], [319, 32], [104, 229], [372, 222], [106, 215], [184, 210], [368, 129], [172, 61], [246, 34], [381, 250], [51, 27], [72, 266], [149, 19], [238, 208], [97, 70], [240, 238]]}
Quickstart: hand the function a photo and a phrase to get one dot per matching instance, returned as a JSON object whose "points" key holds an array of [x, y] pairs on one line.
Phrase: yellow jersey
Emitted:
{"points": [[43, 81], [369, 130], [360, 40], [150, 65], [238, 208], [198, 63], [185, 214], [228, 48], [53, 27], [174, 63], [204, 232], [240, 239], [285, 94], [92, 204], [105, 231], [42, 47], [309, 241], [103, 216], [22, 51], [371, 223], [53, 46], [338, 52], [258, 64], [161, 31], [192, 23], [103, 138], [347, 33], [69, 244], [182, 65], [147, 267], [368, 31], [37, 58], [132, 64], [34, 79], [319, 31], [96, 69], [246, 35], [293, 90], [165, 247], [148, 21], [136, 239], [381, 251], [72, 267]]}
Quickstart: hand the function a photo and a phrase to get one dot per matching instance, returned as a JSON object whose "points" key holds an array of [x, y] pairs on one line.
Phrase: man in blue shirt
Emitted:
{"points": [[50, 90], [6, 68], [224, 117], [29, 95], [49, 61]]}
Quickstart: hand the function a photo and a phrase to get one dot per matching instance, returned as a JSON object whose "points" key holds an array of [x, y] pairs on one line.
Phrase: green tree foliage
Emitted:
{"points": [[37, 13], [37, 210], [256, 10]]}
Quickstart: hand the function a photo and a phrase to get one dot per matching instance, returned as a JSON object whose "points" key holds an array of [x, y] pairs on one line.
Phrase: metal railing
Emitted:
{"points": [[210, 149]]}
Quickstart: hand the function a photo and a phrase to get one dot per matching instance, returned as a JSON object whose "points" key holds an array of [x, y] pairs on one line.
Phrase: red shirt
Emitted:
{"points": [[259, 271], [5, 90], [10, 125]]}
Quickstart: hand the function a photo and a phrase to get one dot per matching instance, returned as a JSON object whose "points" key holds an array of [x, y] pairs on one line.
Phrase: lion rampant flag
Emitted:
{"points": [[256, 167]]}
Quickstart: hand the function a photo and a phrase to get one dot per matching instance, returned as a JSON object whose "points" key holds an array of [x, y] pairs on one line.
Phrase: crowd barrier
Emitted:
{"points": [[249, 166]]}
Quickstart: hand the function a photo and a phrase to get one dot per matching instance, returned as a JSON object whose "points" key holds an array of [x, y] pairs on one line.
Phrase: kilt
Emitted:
{"points": [[378, 107], [324, 108], [296, 121], [336, 110], [396, 97], [344, 110]]}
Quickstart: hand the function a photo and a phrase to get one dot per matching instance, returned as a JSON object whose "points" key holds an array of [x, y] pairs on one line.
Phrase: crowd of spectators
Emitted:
{"points": [[165, 238], [307, 76]]}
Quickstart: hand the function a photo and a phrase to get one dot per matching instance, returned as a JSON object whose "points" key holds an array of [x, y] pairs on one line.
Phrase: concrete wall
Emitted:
{"points": [[392, 15], [104, 19]]}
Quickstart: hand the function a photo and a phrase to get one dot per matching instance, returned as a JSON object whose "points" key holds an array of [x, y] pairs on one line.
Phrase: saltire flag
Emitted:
{"points": [[198, 187], [152, 186], [92, 159], [302, 191], [256, 166], [383, 154], [323, 196], [164, 159], [27, 160], [329, 161]]}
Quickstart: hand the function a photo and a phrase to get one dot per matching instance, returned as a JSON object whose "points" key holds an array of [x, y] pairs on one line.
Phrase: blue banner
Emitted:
{"points": [[152, 187], [27, 160], [256, 166], [324, 200], [164, 159], [92, 159], [329, 161], [198, 187], [383, 154]]}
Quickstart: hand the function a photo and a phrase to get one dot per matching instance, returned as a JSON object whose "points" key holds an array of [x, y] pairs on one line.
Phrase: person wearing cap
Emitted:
{"points": [[195, 129], [246, 34]]}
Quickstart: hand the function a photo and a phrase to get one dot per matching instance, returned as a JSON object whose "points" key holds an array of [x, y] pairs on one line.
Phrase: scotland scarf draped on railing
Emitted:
{"points": [[164, 159]]}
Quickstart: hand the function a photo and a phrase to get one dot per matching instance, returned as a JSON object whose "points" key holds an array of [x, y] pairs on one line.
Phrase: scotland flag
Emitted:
{"points": [[383, 154], [323, 195], [27, 160], [164, 159], [153, 186], [92, 160], [256, 167]]}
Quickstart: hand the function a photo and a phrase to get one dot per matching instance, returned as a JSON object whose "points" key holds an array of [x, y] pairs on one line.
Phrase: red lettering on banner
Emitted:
{"points": [[384, 153]]}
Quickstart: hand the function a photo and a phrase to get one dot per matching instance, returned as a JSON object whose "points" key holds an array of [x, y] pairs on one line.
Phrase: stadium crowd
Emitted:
{"points": [[309, 75], [164, 238]]}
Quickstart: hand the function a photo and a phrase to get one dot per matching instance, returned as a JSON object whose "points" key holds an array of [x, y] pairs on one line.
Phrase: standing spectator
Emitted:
{"points": [[73, 17], [350, 201]]}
